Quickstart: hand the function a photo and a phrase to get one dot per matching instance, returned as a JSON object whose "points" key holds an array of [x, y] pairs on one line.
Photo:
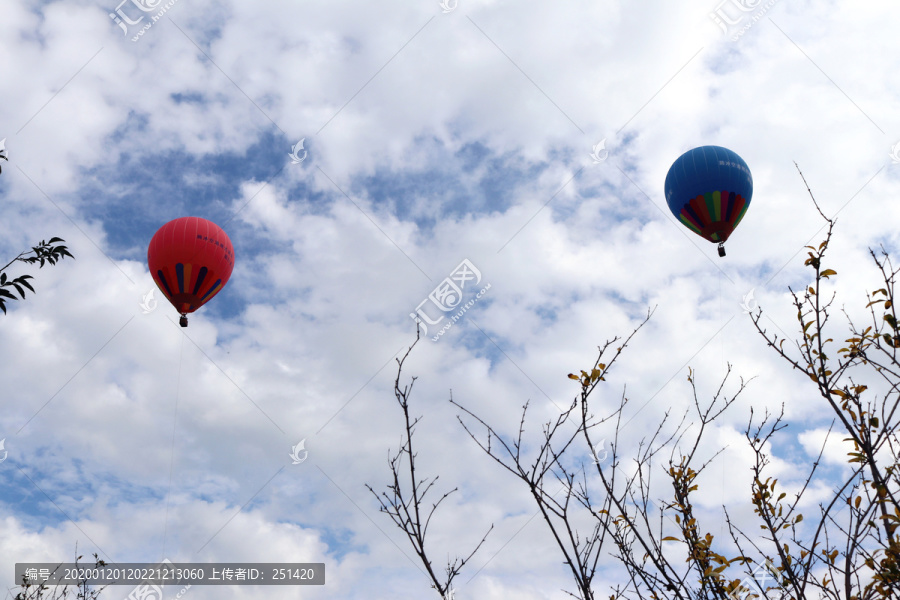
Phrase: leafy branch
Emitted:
{"points": [[865, 510], [44, 253], [35, 590]]}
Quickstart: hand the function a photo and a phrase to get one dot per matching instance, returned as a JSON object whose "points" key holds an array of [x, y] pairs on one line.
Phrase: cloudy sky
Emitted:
{"points": [[431, 134]]}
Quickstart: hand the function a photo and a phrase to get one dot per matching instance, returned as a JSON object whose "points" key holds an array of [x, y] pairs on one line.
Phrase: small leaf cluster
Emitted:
{"points": [[594, 376], [19, 283], [47, 252], [40, 591]]}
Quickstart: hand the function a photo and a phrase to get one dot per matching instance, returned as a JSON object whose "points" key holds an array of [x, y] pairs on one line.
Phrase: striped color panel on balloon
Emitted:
{"points": [[694, 210], [690, 219], [200, 277], [183, 273], [212, 291], [740, 208], [162, 279], [701, 207]]}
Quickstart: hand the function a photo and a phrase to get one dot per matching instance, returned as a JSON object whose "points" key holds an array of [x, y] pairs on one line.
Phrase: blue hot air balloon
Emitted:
{"points": [[708, 189]]}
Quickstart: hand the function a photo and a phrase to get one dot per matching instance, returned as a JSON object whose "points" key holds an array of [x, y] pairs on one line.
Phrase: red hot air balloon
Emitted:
{"points": [[191, 260]]}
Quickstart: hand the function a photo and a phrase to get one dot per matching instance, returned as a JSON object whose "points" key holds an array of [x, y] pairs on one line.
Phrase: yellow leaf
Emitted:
{"points": [[572, 376], [828, 272], [669, 538]]}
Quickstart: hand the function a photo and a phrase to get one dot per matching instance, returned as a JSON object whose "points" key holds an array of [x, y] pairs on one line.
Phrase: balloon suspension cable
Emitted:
{"points": [[721, 248], [183, 320]]}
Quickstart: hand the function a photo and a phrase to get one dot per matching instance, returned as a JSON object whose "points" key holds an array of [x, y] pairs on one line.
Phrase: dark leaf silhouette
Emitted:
{"points": [[44, 253]]}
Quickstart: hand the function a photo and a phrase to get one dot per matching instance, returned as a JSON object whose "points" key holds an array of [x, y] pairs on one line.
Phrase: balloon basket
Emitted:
{"points": [[183, 321], [721, 248]]}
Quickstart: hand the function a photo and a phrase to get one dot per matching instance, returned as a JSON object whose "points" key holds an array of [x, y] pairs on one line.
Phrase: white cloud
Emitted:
{"points": [[323, 292]]}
